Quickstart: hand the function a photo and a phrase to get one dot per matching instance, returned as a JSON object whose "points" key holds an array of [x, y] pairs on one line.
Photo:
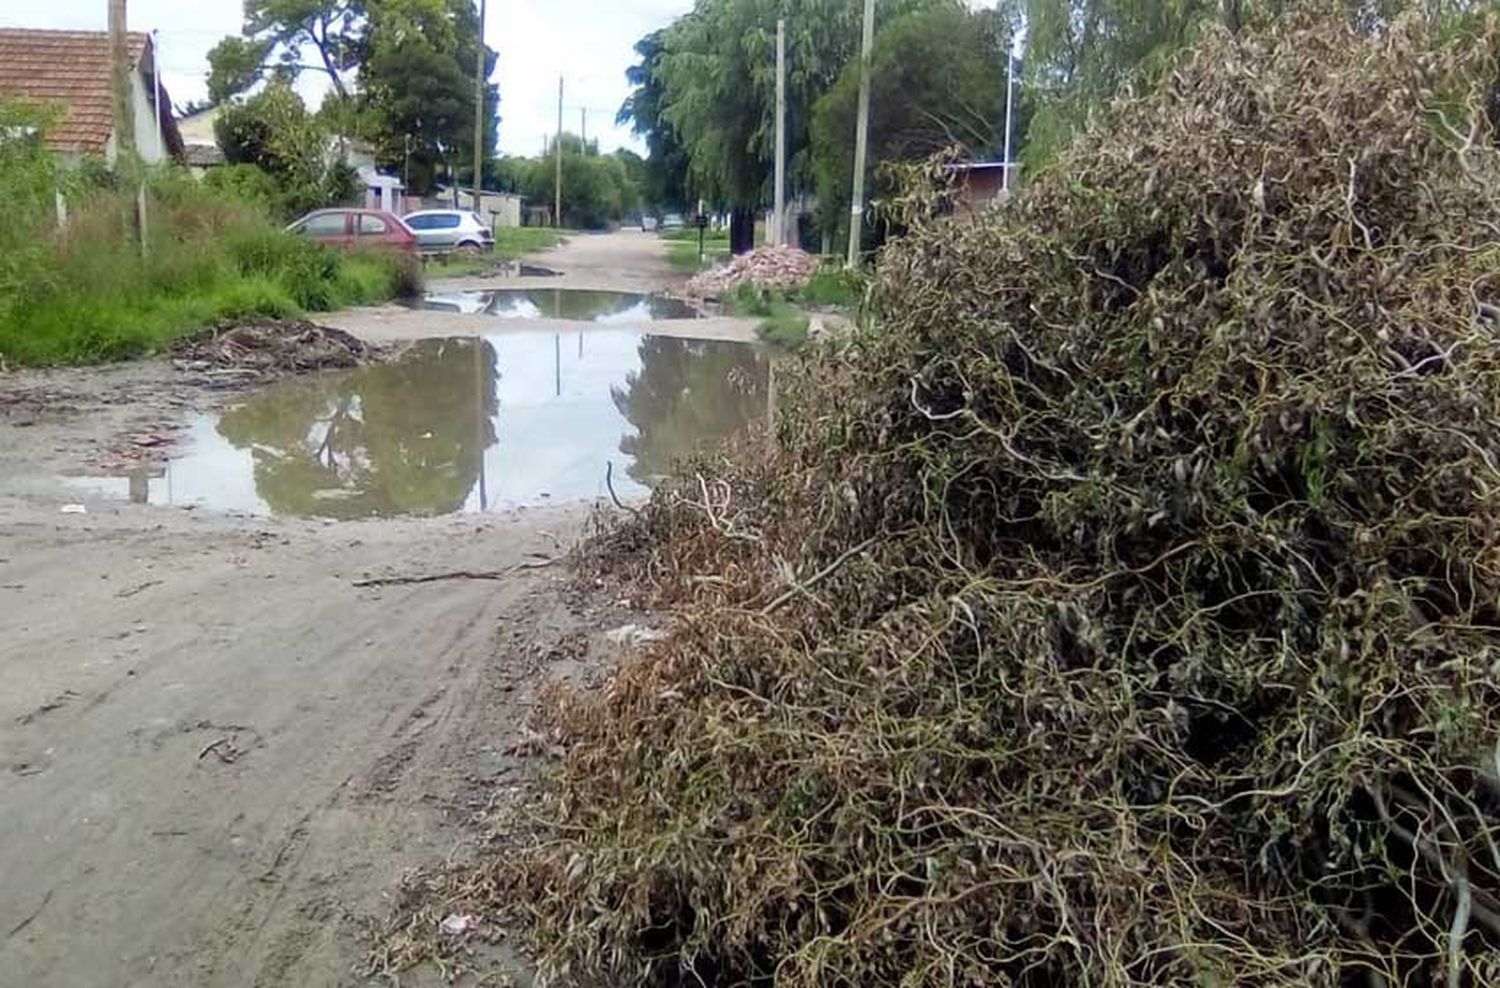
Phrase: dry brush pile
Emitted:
{"points": [[1122, 610]]}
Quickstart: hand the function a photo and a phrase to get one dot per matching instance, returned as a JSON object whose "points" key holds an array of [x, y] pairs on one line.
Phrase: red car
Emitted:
{"points": [[352, 228]]}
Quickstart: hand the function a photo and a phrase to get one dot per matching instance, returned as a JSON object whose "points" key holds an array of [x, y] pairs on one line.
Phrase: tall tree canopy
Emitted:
{"points": [[717, 73], [402, 73], [666, 184], [418, 81], [938, 81], [288, 37]]}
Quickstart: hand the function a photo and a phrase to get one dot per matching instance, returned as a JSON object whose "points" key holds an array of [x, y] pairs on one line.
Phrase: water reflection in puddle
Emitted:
{"points": [[466, 425], [621, 308]]}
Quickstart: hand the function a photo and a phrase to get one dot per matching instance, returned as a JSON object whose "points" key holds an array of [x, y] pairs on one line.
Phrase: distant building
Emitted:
{"points": [[70, 70], [977, 183], [498, 209], [200, 141]]}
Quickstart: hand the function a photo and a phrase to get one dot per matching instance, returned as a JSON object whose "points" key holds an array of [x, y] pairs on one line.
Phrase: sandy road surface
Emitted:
{"points": [[626, 260], [218, 754]]}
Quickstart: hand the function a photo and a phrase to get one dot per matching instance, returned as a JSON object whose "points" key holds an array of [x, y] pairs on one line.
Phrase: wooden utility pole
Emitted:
{"points": [[557, 153], [778, 233], [479, 87], [861, 136]]}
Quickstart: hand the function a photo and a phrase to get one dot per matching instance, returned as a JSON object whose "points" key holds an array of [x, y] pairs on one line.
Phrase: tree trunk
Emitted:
{"points": [[742, 230]]}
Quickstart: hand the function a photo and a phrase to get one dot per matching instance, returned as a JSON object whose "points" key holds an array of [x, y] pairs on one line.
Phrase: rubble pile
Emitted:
{"points": [[765, 267]]}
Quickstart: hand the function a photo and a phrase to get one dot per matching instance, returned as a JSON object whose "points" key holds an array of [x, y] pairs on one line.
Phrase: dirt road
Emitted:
{"points": [[218, 751], [626, 260]]}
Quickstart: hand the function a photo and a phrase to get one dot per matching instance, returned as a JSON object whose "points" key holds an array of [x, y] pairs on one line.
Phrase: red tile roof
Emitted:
{"points": [[69, 69]]}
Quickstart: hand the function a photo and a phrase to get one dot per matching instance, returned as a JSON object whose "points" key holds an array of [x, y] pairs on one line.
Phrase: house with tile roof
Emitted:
{"points": [[70, 70]]}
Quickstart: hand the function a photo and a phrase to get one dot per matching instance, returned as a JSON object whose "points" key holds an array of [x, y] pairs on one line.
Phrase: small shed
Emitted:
{"points": [[979, 182], [498, 209]]}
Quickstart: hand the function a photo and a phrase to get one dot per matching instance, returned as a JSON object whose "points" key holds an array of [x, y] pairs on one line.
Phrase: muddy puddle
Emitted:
{"points": [[464, 425], [621, 308]]}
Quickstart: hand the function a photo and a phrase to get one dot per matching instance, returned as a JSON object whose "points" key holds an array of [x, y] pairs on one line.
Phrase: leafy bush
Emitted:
{"points": [[834, 286], [1120, 610], [89, 295]]}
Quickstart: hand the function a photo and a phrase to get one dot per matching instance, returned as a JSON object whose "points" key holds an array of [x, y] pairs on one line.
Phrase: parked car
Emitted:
{"points": [[450, 231], [351, 228], [672, 221], [648, 224]]}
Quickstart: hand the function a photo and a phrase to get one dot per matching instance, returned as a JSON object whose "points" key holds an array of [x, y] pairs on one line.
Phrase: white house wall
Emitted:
{"points": [[149, 141]]}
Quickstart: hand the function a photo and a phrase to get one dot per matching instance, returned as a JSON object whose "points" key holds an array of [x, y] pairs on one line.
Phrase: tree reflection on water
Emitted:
{"points": [[405, 438], [688, 396]]}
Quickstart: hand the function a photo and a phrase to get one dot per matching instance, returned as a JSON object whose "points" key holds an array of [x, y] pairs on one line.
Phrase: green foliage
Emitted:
{"points": [[834, 287], [27, 180], [1080, 53], [665, 186], [414, 62], [277, 32], [938, 81], [512, 242], [597, 189], [682, 248], [88, 295], [274, 133], [418, 80], [717, 73]]}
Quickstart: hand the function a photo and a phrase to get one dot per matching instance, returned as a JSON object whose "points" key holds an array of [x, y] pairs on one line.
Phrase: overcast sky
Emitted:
{"points": [[588, 42]]}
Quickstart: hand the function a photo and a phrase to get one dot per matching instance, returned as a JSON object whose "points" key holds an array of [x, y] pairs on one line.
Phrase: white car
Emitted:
{"points": [[450, 231]]}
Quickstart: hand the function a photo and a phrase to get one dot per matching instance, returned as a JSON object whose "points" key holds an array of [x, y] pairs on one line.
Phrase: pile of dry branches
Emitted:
{"points": [[275, 345], [1123, 609]]}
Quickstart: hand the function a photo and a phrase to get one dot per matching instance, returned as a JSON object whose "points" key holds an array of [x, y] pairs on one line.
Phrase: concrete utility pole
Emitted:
{"points": [[1010, 94], [127, 160], [119, 56], [861, 136], [778, 234], [583, 127], [479, 81], [557, 153]]}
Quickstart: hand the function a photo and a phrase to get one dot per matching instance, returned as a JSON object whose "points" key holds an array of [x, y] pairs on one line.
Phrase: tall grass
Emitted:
{"points": [[88, 293]]}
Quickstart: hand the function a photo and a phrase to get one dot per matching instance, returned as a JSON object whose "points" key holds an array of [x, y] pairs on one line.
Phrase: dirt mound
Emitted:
{"points": [[277, 346], [782, 268], [1122, 609]]}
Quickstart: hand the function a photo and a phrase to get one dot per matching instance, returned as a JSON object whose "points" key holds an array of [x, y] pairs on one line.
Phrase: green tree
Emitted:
{"points": [[938, 81], [664, 185], [718, 76], [597, 189], [418, 81], [273, 133], [277, 35], [402, 71]]}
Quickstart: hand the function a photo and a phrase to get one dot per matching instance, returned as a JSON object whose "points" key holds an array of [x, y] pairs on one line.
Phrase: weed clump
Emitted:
{"points": [[1122, 609]]}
